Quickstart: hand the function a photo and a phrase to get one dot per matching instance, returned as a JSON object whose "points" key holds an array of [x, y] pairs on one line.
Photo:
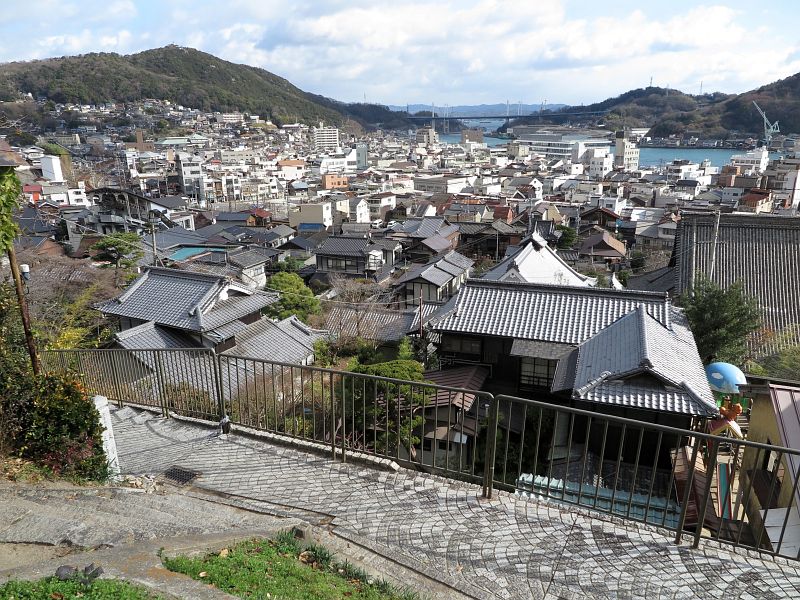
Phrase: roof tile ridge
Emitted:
{"points": [[644, 349], [133, 287]]}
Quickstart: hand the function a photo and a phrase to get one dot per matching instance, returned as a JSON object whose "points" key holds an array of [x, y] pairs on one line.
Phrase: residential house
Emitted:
{"points": [[540, 340], [435, 281], [356, 257], [359, 211], [169, 308], [773, 508], [317, 214], [602, 247], [286, 341], [424, 237]]}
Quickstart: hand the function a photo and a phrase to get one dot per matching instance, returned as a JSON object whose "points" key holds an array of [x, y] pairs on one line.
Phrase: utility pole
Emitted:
{"points": [[8, 203], [23, 309]]}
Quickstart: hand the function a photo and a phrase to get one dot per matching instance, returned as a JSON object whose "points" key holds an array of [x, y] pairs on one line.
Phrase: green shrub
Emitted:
{"points": [[63, 430]]}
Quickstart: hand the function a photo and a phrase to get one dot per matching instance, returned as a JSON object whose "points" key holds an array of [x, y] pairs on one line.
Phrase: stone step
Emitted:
{"points": [[111, 517]]}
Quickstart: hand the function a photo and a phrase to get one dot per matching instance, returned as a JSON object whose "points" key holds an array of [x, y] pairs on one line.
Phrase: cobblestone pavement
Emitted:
{"points": [[504, 548]]}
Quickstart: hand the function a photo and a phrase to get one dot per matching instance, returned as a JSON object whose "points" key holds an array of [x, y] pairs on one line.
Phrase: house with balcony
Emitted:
{"points": [[435, 281], [357, 257], [532, 337]]}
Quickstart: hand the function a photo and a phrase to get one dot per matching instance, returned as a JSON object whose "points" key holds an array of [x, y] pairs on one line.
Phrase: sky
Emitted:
{"points": [[442, 52]]}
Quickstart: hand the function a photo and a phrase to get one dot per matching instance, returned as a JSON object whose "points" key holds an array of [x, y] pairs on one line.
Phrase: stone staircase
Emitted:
{"points": [[100, 517]]}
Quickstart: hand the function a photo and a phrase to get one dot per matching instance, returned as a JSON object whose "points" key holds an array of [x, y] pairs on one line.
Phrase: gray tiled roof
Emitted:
{"points": [[440, 270], [252, 256], [177, 235], [287, 341], [343, 246], [645, 397], [763, 252], [437, 243], [660, 280], [149, 336], [420, 227], [383, 325], [551, 313], [185, 300], [639, 345]]}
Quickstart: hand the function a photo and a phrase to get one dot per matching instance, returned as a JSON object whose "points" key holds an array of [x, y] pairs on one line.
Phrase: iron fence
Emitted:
{"points": [[732, 491]]}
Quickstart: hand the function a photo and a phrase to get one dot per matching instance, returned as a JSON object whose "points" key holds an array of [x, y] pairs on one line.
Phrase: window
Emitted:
{"points": [[462, 345], [536, 372]]}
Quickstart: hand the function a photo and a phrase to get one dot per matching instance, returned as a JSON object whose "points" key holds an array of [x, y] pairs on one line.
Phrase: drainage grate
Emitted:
{"points": [[180, 476]]}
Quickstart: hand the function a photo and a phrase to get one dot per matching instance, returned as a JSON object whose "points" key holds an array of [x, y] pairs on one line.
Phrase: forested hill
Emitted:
{"points": [[182, 75], [716, 115]]}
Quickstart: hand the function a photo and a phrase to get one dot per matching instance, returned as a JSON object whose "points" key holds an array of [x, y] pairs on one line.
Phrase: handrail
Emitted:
{"points": [[533, 448]]}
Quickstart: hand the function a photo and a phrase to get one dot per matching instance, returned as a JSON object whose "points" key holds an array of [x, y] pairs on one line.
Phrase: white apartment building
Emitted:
{"points": [[427, 136], [447, 184], [626, 153], [566, 146], [190, 174], [599, 161], [231, 187], [325, 138], [752, 162]]}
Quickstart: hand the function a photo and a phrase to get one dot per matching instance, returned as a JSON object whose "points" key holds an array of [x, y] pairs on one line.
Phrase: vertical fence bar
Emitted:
{"points": [[687, 493], [333, 418], [491, 441], [160, 384], [790, 510], [701, 515], [653, 480], [343, 418], [586, 437], [778, 461], [616, 469]]}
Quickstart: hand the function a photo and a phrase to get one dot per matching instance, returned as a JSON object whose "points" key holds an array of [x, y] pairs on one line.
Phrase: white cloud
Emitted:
{"points": [[448, 51]]}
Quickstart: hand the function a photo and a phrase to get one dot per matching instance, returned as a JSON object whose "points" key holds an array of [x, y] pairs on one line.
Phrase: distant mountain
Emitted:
{"points": [[668, 111], [475, 110], [182, 75], [367, 115]]}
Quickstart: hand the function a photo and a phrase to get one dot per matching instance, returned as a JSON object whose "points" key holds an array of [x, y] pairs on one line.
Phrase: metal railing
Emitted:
{"points": [[344, 411], [732, 491]]}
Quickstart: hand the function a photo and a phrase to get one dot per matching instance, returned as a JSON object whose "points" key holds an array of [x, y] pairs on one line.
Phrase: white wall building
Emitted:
{"points": [[325, 138]]}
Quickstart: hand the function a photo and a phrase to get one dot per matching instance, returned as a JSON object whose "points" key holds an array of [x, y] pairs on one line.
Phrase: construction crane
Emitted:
{"points": [[769, 128]]}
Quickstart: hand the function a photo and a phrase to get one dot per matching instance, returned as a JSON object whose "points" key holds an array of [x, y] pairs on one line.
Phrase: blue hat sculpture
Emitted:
{"points": [[725, 377]]}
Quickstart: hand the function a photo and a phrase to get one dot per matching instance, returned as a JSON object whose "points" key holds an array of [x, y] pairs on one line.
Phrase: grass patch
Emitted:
{"points": [[284, 569], [53, 589]]}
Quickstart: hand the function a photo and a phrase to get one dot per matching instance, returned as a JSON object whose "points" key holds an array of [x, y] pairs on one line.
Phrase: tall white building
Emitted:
{"points": [[565, 146], [753, 162], [626, 153], [325, 138], [426, 136]]}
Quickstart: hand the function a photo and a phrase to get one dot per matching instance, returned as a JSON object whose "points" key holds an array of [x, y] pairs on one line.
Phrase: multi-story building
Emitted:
{"points": [[427, 136], [783, 178], [626, 153], [318, 214], [190, 174], [751, 163], [325, 138], [564, 146]]}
